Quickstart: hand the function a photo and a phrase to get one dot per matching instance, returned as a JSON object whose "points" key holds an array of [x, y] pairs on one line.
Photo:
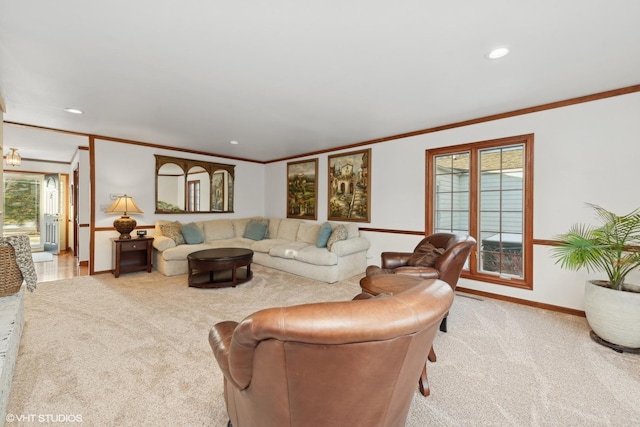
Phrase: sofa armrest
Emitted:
{"points": [[395, 259], [162, 243], [350, 246]]}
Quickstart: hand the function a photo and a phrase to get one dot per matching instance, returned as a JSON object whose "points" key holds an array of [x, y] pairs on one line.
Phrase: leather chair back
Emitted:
{"points": [[352, 363], [457, 248]]}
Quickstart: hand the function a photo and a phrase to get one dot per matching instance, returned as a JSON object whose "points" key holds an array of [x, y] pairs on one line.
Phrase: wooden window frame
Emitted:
{"points": [[193, 197], [473, 148]]}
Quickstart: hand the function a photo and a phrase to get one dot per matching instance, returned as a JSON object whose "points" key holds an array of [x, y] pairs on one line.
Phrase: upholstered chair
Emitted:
{"points": [[437, 256], [352, 363]]}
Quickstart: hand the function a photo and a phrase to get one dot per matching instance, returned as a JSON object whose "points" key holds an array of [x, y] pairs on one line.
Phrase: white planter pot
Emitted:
{"points": [[613, 315]]}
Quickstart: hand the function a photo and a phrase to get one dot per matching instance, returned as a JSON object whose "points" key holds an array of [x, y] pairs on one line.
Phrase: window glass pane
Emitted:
{"points": [[443, 183], [22, 208], [501, 210], [490, 181], [461, 182], [490, 201], [513, 157], [490, 160], [460, 200], [512, 180], [451, 201], [512, 200], [490, 222], [460, 221], [444, 164], [512, 222], [443, 201], [443, 219], [461, 161]]}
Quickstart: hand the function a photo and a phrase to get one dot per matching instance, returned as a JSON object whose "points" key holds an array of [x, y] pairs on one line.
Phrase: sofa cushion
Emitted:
{"points": [[266, 245], [425, 256], [352, 228], [217, 229], [240, 224], [180, 252], [338, 233], [308, 233], [323, 235], [159, 223], [272, 232], [173, 230], [317, 256], [288, 229], [255, 230], [192, 233], [236, 242], [288, 250]]}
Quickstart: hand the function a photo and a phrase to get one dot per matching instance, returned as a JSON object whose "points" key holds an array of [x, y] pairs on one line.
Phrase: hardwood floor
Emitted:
{"points": [[63, 266]]}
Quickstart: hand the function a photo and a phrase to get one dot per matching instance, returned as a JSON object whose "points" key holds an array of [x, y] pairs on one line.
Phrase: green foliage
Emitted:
{"points": [[612, 247], [167, 207], [21, 200]]}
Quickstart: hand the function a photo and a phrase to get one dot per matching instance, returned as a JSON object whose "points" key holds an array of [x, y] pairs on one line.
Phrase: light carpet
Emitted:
{"points": [[133, 351]]}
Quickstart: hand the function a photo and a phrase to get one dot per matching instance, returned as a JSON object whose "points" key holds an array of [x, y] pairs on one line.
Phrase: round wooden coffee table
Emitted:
{"points": [[220, 267]]}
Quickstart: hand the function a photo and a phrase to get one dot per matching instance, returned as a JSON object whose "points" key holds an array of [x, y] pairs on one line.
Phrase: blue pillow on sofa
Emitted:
{"points": [[323, 235], [192, 233], [255, 230]]}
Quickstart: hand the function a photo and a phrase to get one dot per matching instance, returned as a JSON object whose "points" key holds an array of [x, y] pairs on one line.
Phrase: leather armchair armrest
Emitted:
{"points": [[220, 340], [395, 259], [423, 272]]}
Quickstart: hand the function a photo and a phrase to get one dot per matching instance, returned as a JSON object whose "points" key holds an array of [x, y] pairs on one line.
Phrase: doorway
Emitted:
{"points": [[35, 205]]}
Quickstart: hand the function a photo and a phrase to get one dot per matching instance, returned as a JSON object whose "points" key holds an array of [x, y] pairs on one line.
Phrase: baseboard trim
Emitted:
{"points": [[535, 304]]}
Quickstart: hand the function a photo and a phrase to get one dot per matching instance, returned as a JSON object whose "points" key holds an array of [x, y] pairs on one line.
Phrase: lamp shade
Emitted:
{"points": [[124, 205]]}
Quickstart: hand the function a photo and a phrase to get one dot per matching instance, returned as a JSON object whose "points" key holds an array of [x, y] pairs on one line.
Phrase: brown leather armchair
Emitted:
{"points": [[447, 267], [311, 365]]}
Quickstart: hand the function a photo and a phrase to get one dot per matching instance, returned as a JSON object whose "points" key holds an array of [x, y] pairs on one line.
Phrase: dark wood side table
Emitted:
{"points": [[131, 255]]}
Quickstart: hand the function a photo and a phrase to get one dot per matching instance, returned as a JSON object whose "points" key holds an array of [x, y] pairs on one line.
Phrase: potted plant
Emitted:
{"points": [[612, 306]]}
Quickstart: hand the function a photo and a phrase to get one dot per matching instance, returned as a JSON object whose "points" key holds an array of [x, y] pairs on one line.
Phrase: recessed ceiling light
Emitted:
{"points": [[233, 142], [498, 53], [73, 111]]}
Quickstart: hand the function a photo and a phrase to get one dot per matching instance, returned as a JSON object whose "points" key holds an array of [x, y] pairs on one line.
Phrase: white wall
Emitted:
{"points": [[82, 162], [125, 168], [583, 153]]}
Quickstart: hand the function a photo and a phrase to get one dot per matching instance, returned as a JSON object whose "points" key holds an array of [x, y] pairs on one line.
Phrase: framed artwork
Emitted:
{"points": [[350, 186], [217, 191], [302, 189]]}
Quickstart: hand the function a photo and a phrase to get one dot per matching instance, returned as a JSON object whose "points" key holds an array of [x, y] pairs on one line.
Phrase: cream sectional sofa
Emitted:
{"points": [[289, 245]]}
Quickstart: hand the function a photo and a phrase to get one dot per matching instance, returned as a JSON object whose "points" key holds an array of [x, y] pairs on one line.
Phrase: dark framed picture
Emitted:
{"points": [[302, 189], [350, 186], [217, 191]]}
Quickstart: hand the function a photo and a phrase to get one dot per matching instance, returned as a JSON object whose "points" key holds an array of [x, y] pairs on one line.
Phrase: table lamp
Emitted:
{"points": [[124, 205]]}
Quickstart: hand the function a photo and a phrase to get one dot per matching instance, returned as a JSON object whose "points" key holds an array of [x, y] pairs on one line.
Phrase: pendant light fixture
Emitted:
{"points": [[13, 158]]}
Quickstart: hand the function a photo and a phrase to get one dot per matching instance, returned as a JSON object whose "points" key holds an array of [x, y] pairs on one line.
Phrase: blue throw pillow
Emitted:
{"points": [[255, 230], [192, 233], [323, 235]]}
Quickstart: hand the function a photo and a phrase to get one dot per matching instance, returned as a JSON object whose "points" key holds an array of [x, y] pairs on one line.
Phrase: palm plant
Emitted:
{"points": [[612, 247]]}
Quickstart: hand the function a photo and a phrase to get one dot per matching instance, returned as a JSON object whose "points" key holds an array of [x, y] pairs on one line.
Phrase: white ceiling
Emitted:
{"points": [[287, 77]]}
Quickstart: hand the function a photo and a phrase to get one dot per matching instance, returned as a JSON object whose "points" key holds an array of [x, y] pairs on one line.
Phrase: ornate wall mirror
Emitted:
{"points": [[193, 186]]}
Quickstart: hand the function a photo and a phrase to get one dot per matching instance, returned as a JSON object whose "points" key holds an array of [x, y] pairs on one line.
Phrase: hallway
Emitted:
{"points": [[63, 266]]}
